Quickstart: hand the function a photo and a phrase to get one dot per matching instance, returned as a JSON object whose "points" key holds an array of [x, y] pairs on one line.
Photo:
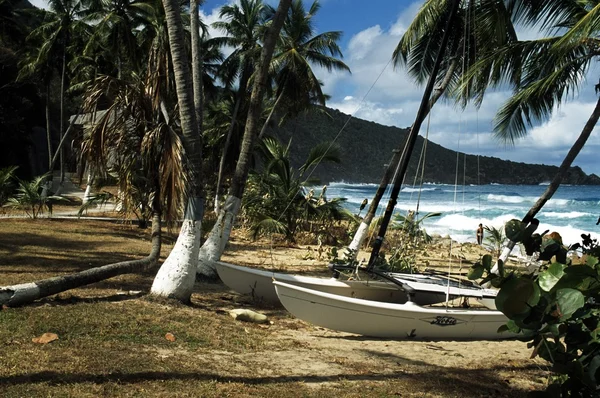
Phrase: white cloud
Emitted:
{"points": [[362, 42], [40, 4], [405, 18], [563, 127]]}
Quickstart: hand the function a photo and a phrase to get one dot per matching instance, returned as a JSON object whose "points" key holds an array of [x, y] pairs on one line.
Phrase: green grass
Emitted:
{"points": [[112, 337]]}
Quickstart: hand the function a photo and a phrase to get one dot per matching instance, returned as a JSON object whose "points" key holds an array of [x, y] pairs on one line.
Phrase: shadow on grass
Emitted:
{"points": [[448, 381]]}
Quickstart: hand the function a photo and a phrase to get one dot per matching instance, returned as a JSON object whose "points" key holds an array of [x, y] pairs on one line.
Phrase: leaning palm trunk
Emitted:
{"points": [[263, 130], [560, 175], [48, 184], [62, 120], [219, 235], [238, 105], [29, 292], [176, 276], [363, 229], [196, 62]]}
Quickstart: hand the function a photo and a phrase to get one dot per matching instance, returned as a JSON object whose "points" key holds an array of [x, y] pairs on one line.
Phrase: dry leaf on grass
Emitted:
{"points": [[170, 336], [45, 338]]}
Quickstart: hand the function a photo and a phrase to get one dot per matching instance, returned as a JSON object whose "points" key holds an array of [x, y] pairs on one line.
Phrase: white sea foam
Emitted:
{"points": [[570, 214], [505, 198], [525, 199], [410, 189], [343, 184], [436, 207]]}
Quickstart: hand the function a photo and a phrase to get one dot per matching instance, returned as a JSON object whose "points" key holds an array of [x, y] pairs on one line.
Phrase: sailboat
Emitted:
{"points": [[426, 288], [390, 320], [421, 289]]}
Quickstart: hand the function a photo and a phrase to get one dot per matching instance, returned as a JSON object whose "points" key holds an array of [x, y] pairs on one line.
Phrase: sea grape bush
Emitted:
{"points": [[555, 308]]}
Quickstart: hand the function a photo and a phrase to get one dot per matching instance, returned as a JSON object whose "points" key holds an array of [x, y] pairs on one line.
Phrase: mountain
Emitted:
{"points": [[366, 147]]}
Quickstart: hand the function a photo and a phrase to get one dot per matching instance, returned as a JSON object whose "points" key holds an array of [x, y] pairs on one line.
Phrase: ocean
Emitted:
{"points": [[572, 211]]}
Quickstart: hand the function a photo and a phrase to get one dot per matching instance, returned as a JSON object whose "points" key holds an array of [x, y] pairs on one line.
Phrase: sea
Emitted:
{"points": [[572, 211]]}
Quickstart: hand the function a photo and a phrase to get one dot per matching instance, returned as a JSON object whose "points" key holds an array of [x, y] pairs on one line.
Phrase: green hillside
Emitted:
{"points": [[366, 148]]}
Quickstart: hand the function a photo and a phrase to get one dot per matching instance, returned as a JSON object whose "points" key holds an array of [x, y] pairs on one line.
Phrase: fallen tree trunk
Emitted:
{"points": [[28, 292]]}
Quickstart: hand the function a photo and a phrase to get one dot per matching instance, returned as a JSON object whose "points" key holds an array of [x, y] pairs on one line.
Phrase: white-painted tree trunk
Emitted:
{"points": [[176, 277], [358, 240], [213, 247], [503, 256], [19, 294], [217, 203], [88, 189], [120, 200]]}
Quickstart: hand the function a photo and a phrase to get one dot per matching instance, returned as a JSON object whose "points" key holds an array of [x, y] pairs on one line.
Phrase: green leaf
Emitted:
{"points": [[514, 230], [549, 278], [512, 326], [475, 272], [591, 378], [517, 296], [486, 261], [569, 301], [579, 277], [501, 268], [591, 261]]}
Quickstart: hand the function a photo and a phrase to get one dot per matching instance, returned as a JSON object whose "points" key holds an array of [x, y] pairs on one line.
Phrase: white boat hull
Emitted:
{"points": [[259, 284], [389, 320]]}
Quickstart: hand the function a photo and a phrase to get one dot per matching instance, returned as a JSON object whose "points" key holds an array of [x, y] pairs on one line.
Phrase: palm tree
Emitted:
{"points": [[132, 141], [495, 238], [56, 36], [243, 25], [277, 199], [299, 48], [219, 235], [478, 28], [544, 73], [115, 31], [30, 199], [176, 276]]}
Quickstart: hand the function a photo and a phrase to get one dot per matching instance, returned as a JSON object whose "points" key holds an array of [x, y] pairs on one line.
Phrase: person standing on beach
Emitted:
{"points": [[480, 234]]}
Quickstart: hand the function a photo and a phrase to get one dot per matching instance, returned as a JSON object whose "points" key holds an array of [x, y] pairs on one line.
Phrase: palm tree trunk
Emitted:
{"points": [[556, 181], [219, 236], [48, 131], [238, 105], [48, 183], [29, 292], [363, 229], [266, 124], [196, 62], [89, 185], [411, 139], [177, 275], [62, 118]]}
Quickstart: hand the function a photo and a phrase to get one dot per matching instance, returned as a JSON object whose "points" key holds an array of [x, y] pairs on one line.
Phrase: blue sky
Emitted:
{"points": [[371, 29]]}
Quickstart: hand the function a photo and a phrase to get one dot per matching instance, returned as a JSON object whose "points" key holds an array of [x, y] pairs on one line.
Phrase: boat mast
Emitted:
{"points": [[411, 140]]}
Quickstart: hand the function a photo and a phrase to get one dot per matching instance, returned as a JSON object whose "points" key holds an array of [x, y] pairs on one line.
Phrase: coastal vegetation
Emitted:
{"points": [[179, 129]]}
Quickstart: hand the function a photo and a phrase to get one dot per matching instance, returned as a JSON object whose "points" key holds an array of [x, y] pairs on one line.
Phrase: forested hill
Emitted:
{"points": [[366, 147]]}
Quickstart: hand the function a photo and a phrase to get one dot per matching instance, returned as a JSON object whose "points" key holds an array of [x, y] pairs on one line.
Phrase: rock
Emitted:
{"points": [[248, 316]]}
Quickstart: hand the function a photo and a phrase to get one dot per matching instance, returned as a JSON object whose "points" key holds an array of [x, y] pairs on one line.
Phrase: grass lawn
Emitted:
{"points": [[111, 337]]}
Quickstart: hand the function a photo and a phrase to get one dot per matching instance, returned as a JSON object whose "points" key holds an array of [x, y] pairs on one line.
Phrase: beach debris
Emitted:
{"points": [[246, 315], [45, 338]]}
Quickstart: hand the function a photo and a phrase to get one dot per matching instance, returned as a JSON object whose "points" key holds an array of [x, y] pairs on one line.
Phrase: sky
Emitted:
{"points": [[376, 91]]}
